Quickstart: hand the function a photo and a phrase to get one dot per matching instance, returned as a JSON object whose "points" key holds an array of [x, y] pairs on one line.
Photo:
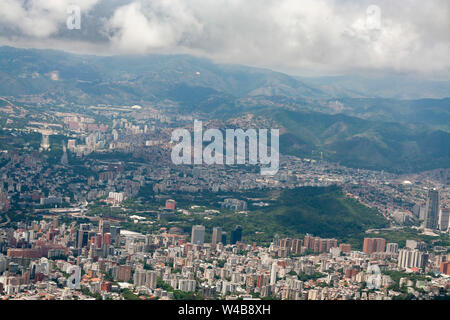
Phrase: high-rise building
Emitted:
{"points": [[318, 244], [392, 248], [45, 143], [412, 258], [151, 279], [115, 234], [82, 238], [216, 235], [139, 277], [273, 274], [372, 245], [432, 210], [116, 196], [445, 267], [198, 234], [103, 226], [124, 273], [236, 235], [64, 158], [224, 237], [187, 285], [444, 219]]}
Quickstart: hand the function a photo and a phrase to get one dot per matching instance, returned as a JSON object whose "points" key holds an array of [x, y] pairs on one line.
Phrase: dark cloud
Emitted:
{"points": [[314, 36]]}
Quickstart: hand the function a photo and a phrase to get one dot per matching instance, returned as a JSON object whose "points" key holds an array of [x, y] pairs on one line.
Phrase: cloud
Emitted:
{"points": [[142, 26], [38, 18], [315, 36]]}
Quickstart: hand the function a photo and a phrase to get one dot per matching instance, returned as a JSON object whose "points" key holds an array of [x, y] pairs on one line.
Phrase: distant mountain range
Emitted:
{"points": [[361, 143], [357, 121]]}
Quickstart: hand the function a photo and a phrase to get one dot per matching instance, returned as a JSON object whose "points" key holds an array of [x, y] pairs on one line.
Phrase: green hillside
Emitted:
{"points": [[322, 211], [356, 142]]}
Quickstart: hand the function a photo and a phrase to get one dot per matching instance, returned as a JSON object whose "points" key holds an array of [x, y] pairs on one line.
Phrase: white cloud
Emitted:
{"points": [[143, 25], [323, 36]]}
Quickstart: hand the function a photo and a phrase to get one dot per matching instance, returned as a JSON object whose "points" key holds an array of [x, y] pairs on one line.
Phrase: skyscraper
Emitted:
{"points": [[236, 235], [224, 237], [412, 258], [115, 234], [45, 143], [273, 274], [64, 158], [444, 219], [432, 210], [198, 234], [216, 235]]}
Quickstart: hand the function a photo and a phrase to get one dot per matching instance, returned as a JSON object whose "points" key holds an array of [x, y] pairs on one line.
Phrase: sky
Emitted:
{"points": [[304, 37]]}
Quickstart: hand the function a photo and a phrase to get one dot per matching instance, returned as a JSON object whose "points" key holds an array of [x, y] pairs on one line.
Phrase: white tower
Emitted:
{"points": [[45, 143], [273, 274]]}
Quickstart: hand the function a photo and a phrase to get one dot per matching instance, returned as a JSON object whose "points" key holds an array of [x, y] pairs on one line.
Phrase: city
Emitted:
{"points": [[224, 159], [117, 221]]}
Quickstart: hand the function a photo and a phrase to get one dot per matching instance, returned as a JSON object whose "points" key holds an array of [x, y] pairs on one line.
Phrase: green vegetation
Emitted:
{"points": [[360, 143], [177, 294], [315, 276], [321, 211], [128, 295], [400, 237]]}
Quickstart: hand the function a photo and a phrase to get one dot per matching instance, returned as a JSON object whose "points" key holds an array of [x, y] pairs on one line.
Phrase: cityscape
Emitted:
{"points": [[333, 183], [130, 227]]}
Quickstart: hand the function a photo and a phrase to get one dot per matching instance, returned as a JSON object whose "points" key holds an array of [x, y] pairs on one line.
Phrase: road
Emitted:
{"points": [[8, 220]]}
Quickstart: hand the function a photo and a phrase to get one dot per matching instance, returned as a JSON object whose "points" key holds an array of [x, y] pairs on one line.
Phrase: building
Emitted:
{"points": [[224, 237], [186, 285], [170, 204], [71, 143], [372, 245], [444, 219], [151, 279], [412, 258], [234, 204], [64, 158], [445, 267], [45, 143], [345, 247], [392, 248], [198, 235], [124, 273], [318, 244], [273, 274], [236, 235], [432, 210], [413, 244], [116, 196], [139, 278], [216, 235], [104, 226]]}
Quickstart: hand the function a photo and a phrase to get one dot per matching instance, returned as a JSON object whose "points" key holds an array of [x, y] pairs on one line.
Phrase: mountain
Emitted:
{"points": [[182, 79], [399, 87], [433, 112], [356, 128], [360, 143]]}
